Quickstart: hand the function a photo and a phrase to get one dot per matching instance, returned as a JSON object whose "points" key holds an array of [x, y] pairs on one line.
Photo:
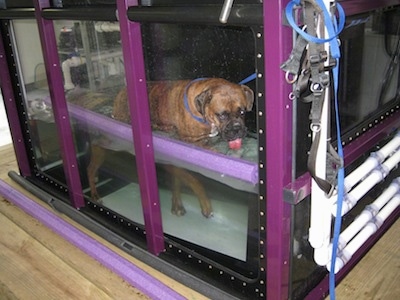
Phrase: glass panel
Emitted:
{"points": [[92, 65], [207, 160], [369, 69], [42, 129]]}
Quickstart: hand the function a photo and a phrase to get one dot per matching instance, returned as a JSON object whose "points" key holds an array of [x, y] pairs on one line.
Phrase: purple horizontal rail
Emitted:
{"points": [[169, 149], [119, 265]]}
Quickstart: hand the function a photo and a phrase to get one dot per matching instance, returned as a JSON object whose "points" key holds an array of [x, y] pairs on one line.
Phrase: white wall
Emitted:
{"points": [[29, 48]]}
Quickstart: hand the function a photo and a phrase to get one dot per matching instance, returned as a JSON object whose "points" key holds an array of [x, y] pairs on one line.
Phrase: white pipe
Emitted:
{"points": [[368, 213], [351, 199], [66, 65], [391, 162], [390, 191], [387, 210], [390, 147], [371, 162], [369, 229], [365, 168], [368, 183]]}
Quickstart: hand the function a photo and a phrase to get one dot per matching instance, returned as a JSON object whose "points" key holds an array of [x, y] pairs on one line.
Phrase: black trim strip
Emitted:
{"points": [[241, 15], [17, 13], [81, 13]]}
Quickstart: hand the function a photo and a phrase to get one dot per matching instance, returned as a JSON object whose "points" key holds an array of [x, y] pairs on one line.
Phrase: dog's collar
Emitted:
{"points": [[186, 102]]}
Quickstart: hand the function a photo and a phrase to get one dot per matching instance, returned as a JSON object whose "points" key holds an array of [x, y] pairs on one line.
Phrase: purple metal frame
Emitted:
{"points": [[131, 38], [59, 104], [277, 44], [278, 130], [12, 115]]}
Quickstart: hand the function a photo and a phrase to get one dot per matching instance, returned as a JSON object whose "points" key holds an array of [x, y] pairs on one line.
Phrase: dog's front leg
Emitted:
{"points": [[183, 176], [97, 157]]}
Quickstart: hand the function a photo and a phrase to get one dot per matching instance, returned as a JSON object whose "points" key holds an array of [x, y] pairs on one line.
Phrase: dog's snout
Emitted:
{"points": [[236, 126], [233, 130]]}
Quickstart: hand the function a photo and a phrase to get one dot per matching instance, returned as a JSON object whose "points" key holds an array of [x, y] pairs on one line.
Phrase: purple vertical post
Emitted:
{"points": [[12, 114], [131, 38], [59, 103], [277, 41]]}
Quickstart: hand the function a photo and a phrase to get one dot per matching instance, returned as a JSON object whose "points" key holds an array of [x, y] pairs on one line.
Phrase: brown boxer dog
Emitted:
{"points": [[196, 111]]}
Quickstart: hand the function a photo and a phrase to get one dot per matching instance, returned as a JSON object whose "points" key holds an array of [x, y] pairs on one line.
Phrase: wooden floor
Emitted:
{"points": [[36, 263]]}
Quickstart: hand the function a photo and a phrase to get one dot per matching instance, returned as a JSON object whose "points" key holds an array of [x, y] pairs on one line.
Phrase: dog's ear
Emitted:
{"points": [[201, 100], [248, 92]]}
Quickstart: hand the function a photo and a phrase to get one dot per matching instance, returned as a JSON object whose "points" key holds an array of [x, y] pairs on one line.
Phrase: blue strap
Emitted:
{"points": [[186, 102], [340, 193], [248, 79], [332, 29]]}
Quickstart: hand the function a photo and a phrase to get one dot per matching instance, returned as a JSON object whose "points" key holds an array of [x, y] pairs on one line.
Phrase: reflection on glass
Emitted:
{"points": [[369, 71], [36, 96], [93, 71]]}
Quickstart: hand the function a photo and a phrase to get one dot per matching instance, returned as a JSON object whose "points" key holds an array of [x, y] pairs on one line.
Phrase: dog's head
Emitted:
{"points": [[224, 105]]}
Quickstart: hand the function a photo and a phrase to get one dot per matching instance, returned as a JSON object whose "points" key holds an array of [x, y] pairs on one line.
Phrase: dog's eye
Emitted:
{"points": [[222, 116]]}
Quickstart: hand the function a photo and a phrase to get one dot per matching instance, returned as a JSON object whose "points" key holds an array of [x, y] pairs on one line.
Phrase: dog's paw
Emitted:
{"points": [[178, 210], [97, 200], [207, 213]]}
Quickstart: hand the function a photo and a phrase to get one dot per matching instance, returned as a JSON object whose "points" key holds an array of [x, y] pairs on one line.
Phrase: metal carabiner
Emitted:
{"points": [[315, 127], [291, 77]]}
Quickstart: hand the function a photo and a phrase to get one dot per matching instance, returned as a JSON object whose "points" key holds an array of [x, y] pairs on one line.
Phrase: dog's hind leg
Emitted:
{"points": [[177, 207], [97, 157]]}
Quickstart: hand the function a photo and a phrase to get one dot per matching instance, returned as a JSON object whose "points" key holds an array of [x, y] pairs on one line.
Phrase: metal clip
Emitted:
{"points": [[315, 127], [291, 77]]}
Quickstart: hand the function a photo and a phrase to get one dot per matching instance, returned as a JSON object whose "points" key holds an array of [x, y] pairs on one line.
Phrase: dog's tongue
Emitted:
{"points": [[235, 144]]}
